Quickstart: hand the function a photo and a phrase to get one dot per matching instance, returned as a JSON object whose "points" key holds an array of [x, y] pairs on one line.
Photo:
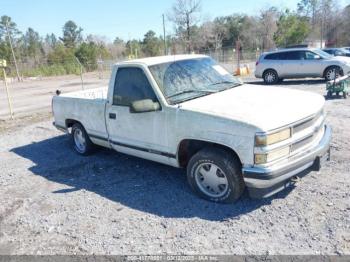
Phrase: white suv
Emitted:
{"points": [[300, 63]]}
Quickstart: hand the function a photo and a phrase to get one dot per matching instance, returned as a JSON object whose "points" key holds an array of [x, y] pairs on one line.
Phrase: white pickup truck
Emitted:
{"points": [[189, 112]]}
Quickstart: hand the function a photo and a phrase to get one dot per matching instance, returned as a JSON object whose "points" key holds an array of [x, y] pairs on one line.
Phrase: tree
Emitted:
{"points": [[7, 23], [268, 26], [71, 34], [291, 29], [32, 44], [309, 8], [60, 55], [344, 33], [210, 34], [9, 34], [328, 20], [323, 19], [133, 48], [51, 40], [151, 44], [87, 54], [117, 49], [184, 15], [118, 41], [235, 26], [220, 32]]}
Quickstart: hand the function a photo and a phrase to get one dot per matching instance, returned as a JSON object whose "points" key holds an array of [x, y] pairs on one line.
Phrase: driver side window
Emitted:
{"points": [[131, 84]]}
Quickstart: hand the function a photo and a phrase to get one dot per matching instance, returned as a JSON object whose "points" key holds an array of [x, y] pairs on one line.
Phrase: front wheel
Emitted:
{"points": [[333, 73], [81, 141], [214, 175]]}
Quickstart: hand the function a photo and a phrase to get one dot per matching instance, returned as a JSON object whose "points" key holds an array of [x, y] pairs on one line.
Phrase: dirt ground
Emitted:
{"points": [[53, 201]]}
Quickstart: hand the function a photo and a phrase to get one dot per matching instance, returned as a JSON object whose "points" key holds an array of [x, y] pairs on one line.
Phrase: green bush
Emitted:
{"points": [[52, 70]]}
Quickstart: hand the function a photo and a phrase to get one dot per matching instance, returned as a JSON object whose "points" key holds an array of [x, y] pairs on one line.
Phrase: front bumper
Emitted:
{"points": [[264, 182]]}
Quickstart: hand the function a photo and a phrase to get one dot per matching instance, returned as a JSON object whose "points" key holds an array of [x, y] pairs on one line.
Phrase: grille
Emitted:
{"points": [[307, 140], [303, 125], [302, 143]]}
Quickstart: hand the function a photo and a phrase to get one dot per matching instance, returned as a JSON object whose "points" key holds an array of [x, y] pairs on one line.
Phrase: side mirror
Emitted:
{"points": [[317, 57], [143, 106]]}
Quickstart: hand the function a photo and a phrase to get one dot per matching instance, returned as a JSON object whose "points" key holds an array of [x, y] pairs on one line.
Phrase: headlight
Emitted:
{"points": [[271, 156], [265, 140]]}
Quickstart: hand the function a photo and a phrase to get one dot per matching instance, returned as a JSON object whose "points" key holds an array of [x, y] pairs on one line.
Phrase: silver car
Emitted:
{"points": [[300, 63]]}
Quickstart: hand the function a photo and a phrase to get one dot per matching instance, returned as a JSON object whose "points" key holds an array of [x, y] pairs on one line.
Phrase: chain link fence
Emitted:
{"points": [[71, 75], [227, 57]]}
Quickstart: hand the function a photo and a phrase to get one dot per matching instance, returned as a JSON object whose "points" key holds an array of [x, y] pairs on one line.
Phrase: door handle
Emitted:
{"points": [[112, 116]]}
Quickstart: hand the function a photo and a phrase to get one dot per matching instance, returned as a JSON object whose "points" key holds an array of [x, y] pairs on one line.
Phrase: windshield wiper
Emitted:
{"points": [[193, 91]]}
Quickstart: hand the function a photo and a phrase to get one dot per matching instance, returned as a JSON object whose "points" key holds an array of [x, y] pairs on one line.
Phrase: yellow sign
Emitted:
{"points": [[2, 63]]}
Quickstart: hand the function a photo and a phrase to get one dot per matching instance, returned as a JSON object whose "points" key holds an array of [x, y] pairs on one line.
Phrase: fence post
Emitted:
{"points": [[7, 93], [81, 73], [100, 67], [233, 60]]}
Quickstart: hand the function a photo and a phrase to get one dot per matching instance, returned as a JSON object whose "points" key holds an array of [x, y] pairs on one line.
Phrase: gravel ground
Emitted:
{"points": [[53, 201]]}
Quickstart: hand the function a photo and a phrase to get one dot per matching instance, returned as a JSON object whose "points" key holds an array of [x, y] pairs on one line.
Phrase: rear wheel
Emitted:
{"points": [[81, 141], [214, 175], [333, 72], [270, 77]]}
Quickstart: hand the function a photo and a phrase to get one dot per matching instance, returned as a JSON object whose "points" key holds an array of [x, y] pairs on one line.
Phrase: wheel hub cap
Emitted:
{"points": [[211, 180], [270, 77], [79, 140]]}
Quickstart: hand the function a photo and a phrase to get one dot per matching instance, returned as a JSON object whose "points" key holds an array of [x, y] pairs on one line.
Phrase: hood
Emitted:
{"points": [[266, 107], [343, 59]]}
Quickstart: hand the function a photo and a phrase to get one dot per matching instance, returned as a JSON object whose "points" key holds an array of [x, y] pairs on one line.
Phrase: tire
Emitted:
{"points": [[345, 95], [270, 77], [337, 94], [81, 141], [215, 161], [333, 71]]}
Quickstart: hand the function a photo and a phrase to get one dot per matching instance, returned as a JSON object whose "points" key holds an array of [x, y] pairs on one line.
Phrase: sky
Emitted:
{"points": [[127, 19]]}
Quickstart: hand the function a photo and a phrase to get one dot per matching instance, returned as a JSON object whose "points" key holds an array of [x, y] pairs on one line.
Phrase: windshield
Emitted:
{"points": [[188, 79], [322, 53]]}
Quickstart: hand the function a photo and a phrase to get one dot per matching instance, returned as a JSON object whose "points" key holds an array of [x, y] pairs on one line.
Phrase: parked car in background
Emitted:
{"points": [[189, 112], [300, 63], [347, 48], [337, 51]]}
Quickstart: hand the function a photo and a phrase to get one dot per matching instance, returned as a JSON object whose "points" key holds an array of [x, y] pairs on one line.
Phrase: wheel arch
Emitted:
{"points": [[269, 69], [70, 122], [189, 147]]}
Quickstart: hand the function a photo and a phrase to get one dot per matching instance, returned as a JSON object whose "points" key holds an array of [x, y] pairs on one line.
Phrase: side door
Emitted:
{"points": [[313, 64], [143, 134], [293, 63]]}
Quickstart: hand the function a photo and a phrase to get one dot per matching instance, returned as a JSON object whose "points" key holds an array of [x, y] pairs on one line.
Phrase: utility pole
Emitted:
{"points": [[11, 46], [165, 53]]}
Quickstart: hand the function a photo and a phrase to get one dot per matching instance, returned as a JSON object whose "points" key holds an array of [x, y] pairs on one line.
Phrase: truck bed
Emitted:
{"points": [[92, 94], [87, 107]]}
